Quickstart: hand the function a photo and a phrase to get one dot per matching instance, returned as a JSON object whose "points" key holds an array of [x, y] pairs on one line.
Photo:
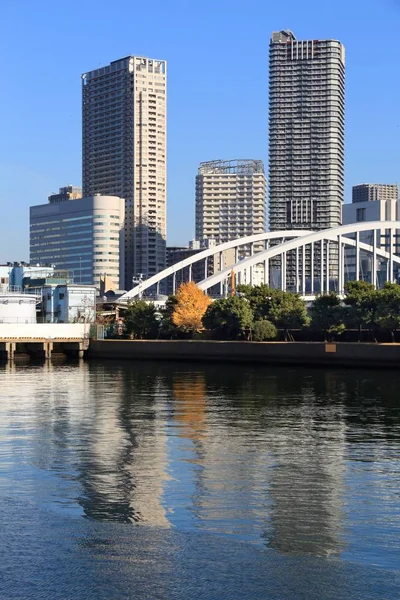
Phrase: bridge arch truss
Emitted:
{"points": [[306, 262]]}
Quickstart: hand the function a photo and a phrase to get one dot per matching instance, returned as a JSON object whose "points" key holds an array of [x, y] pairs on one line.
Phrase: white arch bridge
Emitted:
{"points": [[306, 262]]}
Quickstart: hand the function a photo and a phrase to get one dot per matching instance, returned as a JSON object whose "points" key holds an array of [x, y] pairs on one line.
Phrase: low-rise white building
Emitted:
{"points": [[69, 303]]}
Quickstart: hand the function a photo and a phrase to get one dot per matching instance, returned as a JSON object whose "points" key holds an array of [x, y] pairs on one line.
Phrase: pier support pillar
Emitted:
{"points": [[48, 349], [81, 350], [11, 348]]}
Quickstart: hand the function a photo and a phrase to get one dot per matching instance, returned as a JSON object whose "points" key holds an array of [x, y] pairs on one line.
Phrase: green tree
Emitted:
{"points": [[264, 330], [140, 320], [259, 298], [287, 311], [327, 315], [388, 308], [168, 328], [229, 317], [361, 300]]}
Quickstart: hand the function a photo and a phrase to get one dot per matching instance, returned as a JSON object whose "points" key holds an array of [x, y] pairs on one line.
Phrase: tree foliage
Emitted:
{"points": [[284, 309], [287, 311], [388, 308], [327, 315], [264, 330], [259, 298], [168, 328], [191, 304], [229, 317], [361, 302], [140, 320]]}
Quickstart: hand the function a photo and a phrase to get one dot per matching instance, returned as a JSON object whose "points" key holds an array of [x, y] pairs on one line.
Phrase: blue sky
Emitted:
{"points": [[217, 52]]}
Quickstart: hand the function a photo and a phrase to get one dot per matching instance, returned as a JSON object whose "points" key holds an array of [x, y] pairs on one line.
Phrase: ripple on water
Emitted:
{"points": [[171, 481]]}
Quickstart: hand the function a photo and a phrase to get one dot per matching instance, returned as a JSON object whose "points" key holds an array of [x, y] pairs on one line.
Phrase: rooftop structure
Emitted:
{"points": [[69, 192]]}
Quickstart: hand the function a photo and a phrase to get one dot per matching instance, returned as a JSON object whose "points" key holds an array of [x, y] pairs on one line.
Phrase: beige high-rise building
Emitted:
{"points": [[231, 200], [124, 153], [371, 192], [231, 203]]}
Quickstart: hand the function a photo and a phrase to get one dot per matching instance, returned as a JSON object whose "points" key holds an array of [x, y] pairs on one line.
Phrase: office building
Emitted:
{"points": [[124, 153], [231, 200], [70, 192], [372, 202], [84, 237], [370, 192], [306, 132]]}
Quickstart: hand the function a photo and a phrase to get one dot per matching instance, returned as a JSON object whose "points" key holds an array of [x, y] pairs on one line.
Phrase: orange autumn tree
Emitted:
{"points": [[191, 304]]}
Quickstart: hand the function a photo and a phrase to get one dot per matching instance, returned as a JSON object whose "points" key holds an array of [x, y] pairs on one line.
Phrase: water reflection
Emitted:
{"points": [[123, 467], [275, 456]]}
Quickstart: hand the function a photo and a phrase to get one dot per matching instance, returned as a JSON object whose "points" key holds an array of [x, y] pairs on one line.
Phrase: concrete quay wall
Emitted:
{"points": [[15, 331], [300, 353]]}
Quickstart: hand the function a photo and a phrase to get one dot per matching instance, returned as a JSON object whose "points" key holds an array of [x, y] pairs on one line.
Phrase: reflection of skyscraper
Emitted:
{"points": [[306, 485], [220, 466], [266, 460], [124, 469], [104, 427]]}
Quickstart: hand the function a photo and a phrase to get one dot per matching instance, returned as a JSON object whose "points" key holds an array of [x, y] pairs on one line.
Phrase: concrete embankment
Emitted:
{"points": [[301, 353]]}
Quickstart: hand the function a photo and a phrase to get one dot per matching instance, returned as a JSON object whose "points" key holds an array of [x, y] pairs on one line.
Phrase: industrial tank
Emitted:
{"points": [[17, 307]]}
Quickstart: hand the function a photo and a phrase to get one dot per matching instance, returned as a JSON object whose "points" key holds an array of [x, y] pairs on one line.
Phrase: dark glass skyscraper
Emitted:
{"points": [[306, 132]]}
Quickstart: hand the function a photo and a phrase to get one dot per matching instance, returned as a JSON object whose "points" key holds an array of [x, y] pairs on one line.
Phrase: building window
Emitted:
{"points": [[361, 216]]}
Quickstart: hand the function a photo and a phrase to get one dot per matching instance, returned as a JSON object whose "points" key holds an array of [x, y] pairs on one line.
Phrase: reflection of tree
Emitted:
{"points": [[190, 404], [265, 463], [254, 452]]}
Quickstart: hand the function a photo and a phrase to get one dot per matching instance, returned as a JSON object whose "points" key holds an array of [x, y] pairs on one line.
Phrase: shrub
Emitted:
{"points": [[264, 330]]}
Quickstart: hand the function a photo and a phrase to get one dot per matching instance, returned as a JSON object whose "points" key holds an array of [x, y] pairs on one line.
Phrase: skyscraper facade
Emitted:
{"points": [[306, 132], [124, 153], [84, 237], [231, 203], [372, 192], [231, 200]]}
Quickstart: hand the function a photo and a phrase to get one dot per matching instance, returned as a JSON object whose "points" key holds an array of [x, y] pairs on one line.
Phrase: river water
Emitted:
{"points": [[176, 481]]}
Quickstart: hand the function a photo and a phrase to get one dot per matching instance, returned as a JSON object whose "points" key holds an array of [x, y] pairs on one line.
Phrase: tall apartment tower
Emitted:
{"points": [[124, 153], [372, 192], [306, 132], [231, 200]]}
